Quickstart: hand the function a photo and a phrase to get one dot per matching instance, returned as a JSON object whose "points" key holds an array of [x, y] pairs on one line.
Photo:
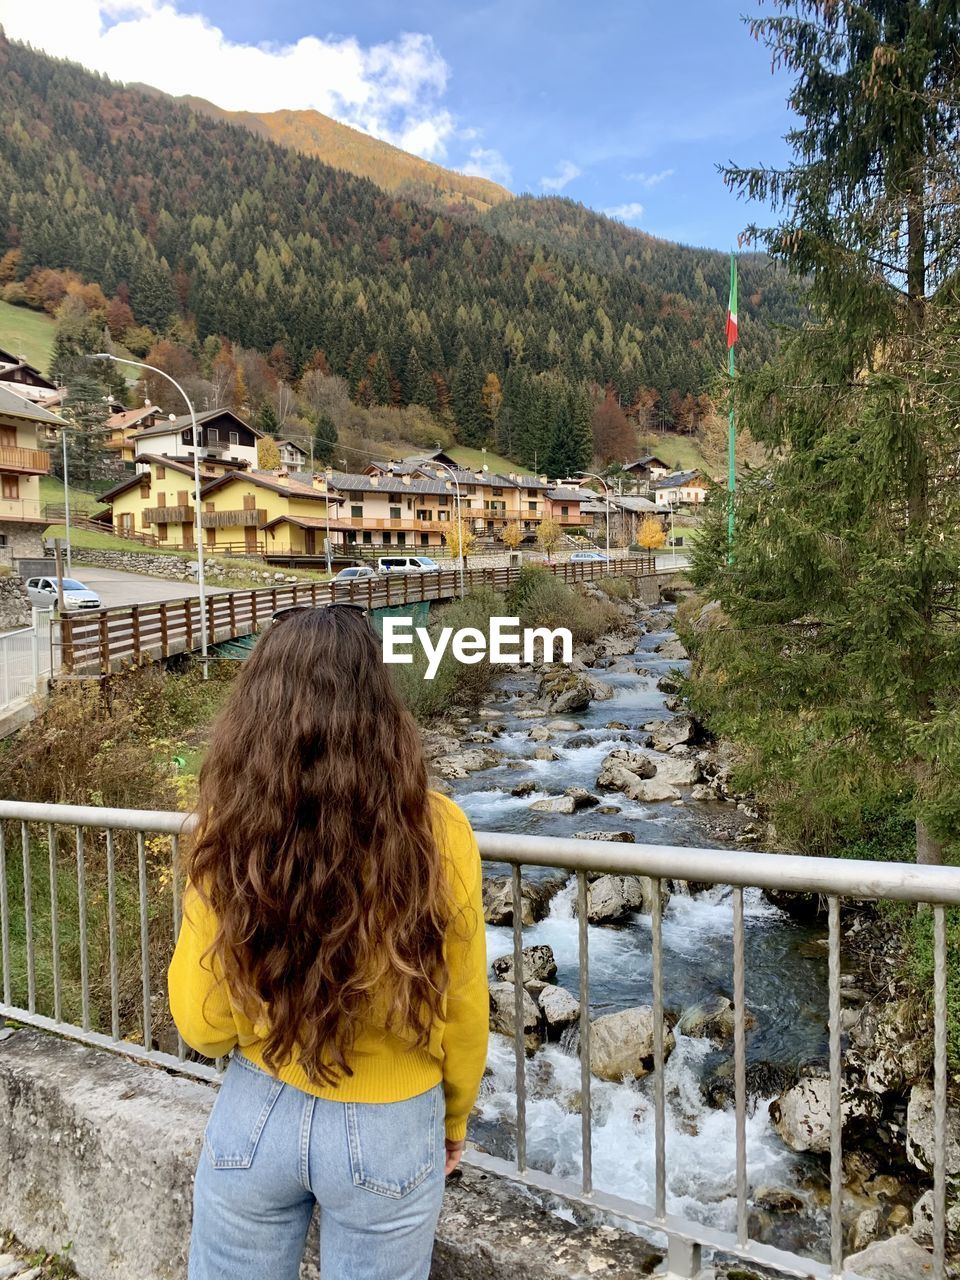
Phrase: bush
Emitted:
{"points": [[540, 599], [455, 684], [616, 588]]}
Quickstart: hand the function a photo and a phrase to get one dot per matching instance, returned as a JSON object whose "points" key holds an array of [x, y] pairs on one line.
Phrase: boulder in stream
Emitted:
{"points": [[564, 726], [671, 733], [613, 898], [535, 899], [672, 650], [920, 1133], [621, 1044], [503, 1015], [712, 1019], [599, 691], [898, 1258], [463, 763], [560, 1010], [538, 965], [539, 733], [615, 837], [562, 690], [545, 753]]}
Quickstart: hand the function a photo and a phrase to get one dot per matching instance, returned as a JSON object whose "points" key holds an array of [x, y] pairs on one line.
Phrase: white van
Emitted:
{"points": [[407, 564]]}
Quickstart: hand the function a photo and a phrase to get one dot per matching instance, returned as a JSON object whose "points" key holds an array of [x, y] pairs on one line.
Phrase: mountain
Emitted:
{"points": [[175, 214], [356, 152]]}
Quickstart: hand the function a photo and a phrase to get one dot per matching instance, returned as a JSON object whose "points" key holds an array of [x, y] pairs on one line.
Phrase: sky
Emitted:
{"points": [[625, 105]]}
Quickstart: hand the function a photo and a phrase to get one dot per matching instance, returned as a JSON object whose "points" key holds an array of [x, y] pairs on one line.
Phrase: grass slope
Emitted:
{"points": [[680, 452], [475, 459], [27, 333]]}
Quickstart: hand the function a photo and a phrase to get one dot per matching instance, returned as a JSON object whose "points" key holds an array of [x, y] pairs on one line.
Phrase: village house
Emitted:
{"points": [[269, 513], [644, 471], [387, 510], [224, 438], [22, 463], [570, 506], [156, 502], [292, 456], [680, 489], [124, 425]]}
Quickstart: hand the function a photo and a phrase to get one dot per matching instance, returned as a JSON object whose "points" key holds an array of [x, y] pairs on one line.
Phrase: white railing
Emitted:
{"points": [[25, 660], [120, 940]]}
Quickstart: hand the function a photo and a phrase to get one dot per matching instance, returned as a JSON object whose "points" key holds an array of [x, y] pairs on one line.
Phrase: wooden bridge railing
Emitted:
{"points": [[109, 639]]}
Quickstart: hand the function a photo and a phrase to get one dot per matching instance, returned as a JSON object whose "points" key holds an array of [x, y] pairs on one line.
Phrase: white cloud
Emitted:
{"points": [[630, 212], [649, 180], [487, 162], [566, 172], [392, 90]]}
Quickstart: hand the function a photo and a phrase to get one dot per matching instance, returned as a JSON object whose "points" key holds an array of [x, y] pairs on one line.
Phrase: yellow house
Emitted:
{"points": [[156, 502], [22, 463], [124, 425], [260, 512]]}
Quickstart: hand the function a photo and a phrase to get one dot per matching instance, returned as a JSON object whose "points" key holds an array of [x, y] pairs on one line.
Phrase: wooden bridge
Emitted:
{"points": [[109, 639]]}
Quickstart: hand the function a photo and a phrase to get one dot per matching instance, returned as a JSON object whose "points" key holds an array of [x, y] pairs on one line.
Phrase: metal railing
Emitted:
{"points": [[25, 659], [112, 997]]}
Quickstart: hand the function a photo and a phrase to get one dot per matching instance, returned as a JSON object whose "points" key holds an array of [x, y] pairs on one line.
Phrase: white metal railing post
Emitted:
{"points": [[108, 1024]]}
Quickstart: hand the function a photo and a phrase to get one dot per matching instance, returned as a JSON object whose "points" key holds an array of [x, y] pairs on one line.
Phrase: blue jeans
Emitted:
{"points": [[271, 1152]]}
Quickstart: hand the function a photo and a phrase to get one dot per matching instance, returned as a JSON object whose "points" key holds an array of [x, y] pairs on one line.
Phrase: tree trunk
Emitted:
{"points": [[929, 848]]}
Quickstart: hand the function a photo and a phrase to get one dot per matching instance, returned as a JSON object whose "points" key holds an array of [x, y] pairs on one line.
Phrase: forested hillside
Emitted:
{"points": [[342, 147], [178, 216]]}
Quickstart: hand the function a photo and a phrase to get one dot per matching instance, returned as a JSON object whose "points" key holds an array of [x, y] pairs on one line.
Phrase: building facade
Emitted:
{"points": [[22, 463]]}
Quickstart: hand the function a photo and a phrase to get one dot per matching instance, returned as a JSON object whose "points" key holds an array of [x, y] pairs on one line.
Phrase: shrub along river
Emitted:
{"points": [[785, 975]]}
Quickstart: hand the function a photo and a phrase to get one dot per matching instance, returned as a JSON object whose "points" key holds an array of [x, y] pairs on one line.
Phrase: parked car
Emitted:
{"points": [[353, 573], [588, 557], [407, 564], [43, 593]]}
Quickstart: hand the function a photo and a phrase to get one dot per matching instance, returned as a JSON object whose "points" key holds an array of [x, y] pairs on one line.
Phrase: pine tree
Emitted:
{"points": [[844, 586], [465, 389], [380, 381], [86, 409], [324, 439]]}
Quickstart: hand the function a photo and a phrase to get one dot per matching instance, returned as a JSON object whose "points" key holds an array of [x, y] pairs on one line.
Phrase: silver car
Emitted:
{"points": [[43, 593]]}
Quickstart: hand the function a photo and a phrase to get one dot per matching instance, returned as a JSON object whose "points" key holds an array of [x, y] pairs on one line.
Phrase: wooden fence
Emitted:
{"points": [[110, 639]]}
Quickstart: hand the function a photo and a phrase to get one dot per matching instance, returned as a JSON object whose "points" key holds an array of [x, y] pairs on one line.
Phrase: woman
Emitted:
{"points": [[333, 940]]}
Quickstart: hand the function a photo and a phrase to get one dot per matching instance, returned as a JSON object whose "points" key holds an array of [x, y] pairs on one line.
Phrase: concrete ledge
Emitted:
{"points": [[98, 1152]]}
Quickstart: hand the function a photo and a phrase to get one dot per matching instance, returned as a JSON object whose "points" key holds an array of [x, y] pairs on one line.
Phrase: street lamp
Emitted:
{"points": [[606, 489], [456, 486], [198, 532]]}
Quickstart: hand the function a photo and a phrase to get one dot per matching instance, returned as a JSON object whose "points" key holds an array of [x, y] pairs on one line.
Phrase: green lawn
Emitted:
{"points": [[27, 333], [681, 452], [82, 502], [476, 458]]}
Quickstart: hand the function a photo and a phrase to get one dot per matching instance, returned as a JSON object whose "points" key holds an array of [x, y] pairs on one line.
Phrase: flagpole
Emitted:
{"points": [[732, 442]]}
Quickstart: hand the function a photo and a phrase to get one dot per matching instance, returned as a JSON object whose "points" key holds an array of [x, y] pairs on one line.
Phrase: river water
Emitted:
{"points": [[785, 978]]}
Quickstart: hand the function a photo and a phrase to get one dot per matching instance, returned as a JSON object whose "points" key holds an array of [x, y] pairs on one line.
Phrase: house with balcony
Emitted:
{"points": [[680, 489], [293, 457], [225, 439], [156, 502], [26, 380], [570, 506], [125, 425], [261, 512], [386, 510], [22, 463]]}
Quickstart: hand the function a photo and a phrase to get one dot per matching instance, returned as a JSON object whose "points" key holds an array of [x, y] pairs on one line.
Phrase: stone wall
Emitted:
{"points": [[14, 604], [21, 540], [97, 1152]]}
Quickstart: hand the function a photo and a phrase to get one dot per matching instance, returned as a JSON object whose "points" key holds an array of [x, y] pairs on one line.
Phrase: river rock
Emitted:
{"points": [[622, 760], [436, 744], [866, 1228], [669, 683], [524, 788], [703, 792], [564, 726], [676, 771], [554, 804], [535, 899], [562, 690], [899, 1258], [920, 1132], [599, 691], [885, 1050], [616, 724], [671, 650], [560, 1010], [778, 1200], [670, 733], [465, 762], [801, 1115], [503, 1015], [540, 733], [621, 1044], [531, 713], [616, 646], [615, 837], [713, 1019], [537, 965], [545, 753], [922, 1227], [612, 898]]}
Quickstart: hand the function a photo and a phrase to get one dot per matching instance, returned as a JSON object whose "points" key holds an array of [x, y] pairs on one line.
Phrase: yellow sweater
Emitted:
{"points": [[385, 1067]]}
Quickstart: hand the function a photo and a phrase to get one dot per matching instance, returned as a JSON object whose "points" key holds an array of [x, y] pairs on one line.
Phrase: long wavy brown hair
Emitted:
{"points": [[316, 847]]}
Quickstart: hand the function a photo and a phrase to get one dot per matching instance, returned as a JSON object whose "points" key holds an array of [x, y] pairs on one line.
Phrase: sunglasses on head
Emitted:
{"points": [[305, 608]]}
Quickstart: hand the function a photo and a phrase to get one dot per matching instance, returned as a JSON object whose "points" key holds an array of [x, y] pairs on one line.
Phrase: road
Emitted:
{"points": [[115, 588]]}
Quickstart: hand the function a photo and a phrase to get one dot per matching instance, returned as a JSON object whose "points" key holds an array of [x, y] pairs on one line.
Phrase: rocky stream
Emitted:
{"points": [[605, 749]]}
